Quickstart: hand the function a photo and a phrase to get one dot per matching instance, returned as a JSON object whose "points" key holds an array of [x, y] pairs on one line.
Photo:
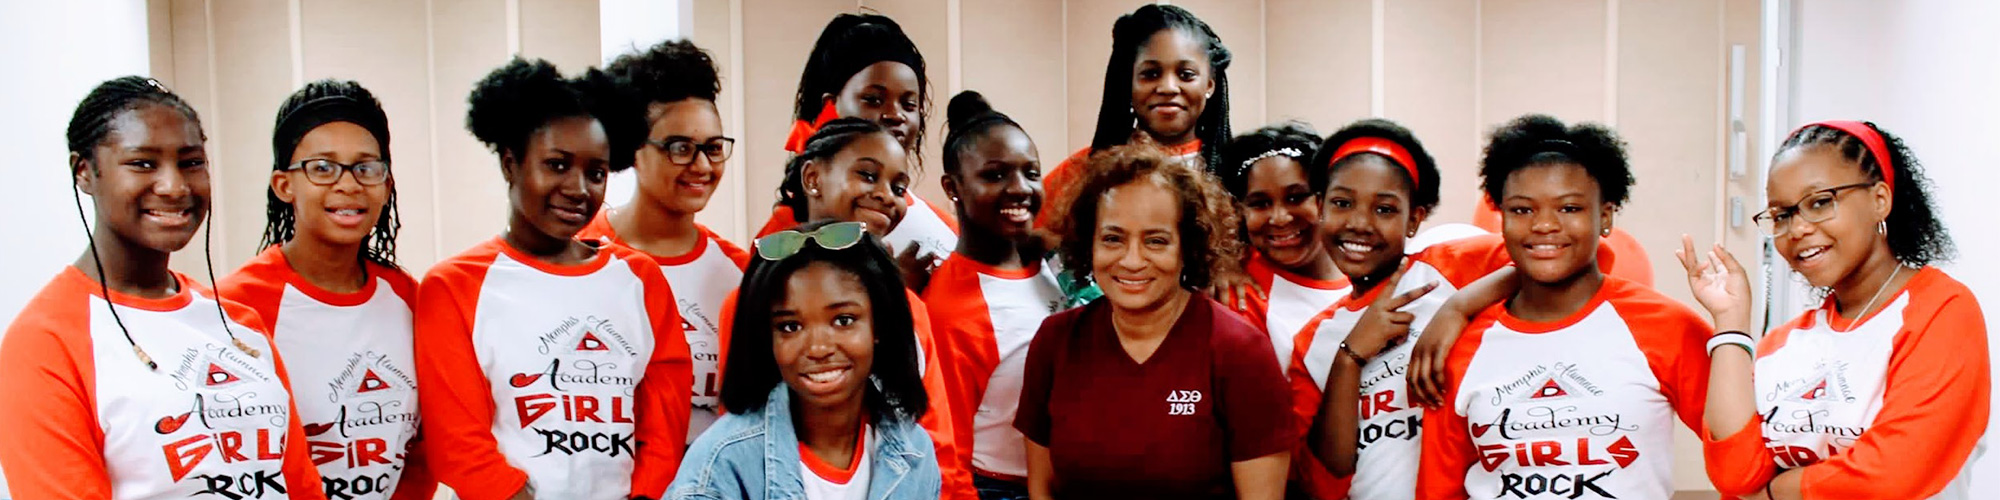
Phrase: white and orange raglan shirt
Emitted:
{"points": [[702, 280], [86, 419], [937, 422], [351, 355], [1387, 454], [1290, 300], [1579, 407], [985, 317], [1892, 405], [569, 378]]}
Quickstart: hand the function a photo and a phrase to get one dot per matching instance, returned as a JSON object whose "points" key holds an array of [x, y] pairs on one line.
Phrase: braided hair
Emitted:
{"points": [[849, 43], [825, 143], [1115, 117], [1916, 235], [319, 103]]}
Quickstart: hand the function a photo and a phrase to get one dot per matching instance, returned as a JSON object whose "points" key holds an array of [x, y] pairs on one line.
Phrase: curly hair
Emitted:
{"points": [[519, 98], [1299, 137], [1542, 139], [670, 71], [1916, 235], [1208, 223]]}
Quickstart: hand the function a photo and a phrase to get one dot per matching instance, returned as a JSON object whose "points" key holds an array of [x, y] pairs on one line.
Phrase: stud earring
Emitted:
{"points": [[1605, 232]]}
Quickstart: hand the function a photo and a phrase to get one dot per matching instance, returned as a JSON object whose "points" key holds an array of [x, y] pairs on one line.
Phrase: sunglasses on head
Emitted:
{"points": [[834, 236]]}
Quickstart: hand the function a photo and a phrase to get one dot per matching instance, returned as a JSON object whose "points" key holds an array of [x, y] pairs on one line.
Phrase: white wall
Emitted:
{"points": [[1929, 71], [55, 52]]}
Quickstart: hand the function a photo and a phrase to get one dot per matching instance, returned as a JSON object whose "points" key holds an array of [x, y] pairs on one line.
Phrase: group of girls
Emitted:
{"points": [[1171, 312]]}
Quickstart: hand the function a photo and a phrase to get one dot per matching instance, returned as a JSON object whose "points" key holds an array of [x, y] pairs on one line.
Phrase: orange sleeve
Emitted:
{"points": [[722, 330], [1309, 474], [252, 288], [1674, 339], [967, 349], [53, 448], [1057, 183], [1741, 464], [663, 391], [781, 219], [950, 217], [1934, 406], [735, 253], [937, 419], [1447, 446], [453, 396]]}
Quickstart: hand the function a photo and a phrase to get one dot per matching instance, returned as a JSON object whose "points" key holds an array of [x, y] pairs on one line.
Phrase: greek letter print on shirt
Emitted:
{"points": [[212, 420], [702, 280], [570, 378], [1389, 446], [1581, 407], [351, 354], [1852, 401]]}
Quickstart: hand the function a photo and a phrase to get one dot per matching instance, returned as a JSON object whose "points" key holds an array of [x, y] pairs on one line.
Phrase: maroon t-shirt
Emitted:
{"points": [[1211, 394]]}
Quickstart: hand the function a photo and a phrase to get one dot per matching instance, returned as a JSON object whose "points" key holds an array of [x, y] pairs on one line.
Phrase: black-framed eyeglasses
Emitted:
{"points": [[681, 150], [1816, 207], [326, 172]]}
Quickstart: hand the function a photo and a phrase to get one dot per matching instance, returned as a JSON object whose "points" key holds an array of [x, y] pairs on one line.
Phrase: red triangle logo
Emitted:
{"points": [[686, 326], [218, 376], [1814, 393], [1550, 389], [589, 342], [371, 382]]}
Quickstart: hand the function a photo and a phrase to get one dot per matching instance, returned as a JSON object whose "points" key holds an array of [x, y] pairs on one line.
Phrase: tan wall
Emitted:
{"points": [[1448, 69], [236, 60]]}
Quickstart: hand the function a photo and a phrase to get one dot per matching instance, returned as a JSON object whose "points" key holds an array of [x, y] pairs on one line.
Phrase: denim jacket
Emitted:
{"points": [[755, 456]]}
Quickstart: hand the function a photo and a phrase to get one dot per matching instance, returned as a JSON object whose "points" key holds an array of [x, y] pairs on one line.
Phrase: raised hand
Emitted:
{"points": [[1718, 283], [1385, 324]]}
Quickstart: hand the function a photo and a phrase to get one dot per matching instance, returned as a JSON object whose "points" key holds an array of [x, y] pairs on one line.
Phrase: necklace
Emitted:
{"points": [[1872, 299]]}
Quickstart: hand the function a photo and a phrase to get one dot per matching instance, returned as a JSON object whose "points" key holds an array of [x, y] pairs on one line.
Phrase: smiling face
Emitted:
{"points": [[999, 185], [1828, 251], [823, 336], [887, 93], [1171, 80], [1136, 250], [865, 182], [680, 188], [1551, 215], [344, 213], [557, 184], [148, 179], [1367, 216], [1281, 213]]}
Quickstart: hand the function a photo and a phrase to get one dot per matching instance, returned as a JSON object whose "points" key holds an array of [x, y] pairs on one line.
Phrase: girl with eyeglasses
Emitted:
{"points": [[552, 367], [338, 306], [128, 380], [1880, 392], [679, 165], [826, 389], [854, 170]]}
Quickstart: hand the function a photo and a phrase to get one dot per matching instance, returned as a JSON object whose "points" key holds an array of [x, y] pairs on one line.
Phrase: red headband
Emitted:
{"points": [[1379, 146], [1870, 138]]}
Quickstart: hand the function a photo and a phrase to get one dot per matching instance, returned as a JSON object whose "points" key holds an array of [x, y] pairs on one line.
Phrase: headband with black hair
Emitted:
{"points": [[295, 123]]}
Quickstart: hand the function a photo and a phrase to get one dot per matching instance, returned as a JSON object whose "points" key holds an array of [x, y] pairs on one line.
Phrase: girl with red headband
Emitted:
{"points": [[1880, 392], [1346, 362]]}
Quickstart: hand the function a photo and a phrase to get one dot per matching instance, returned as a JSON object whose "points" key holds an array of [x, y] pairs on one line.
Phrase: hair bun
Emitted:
{"points": [[965, 107], [512, 101]]}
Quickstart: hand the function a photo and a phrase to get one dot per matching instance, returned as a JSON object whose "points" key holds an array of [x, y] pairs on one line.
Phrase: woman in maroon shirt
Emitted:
{"points": [[1154, 390]]}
